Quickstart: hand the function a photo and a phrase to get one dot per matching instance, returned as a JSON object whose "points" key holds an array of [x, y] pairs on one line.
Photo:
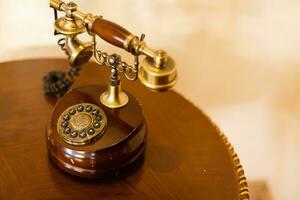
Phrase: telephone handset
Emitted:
{"points": [[95, 131]]}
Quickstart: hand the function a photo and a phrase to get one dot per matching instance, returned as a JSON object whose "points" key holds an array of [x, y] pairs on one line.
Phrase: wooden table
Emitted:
{"points": [[187, 157]]}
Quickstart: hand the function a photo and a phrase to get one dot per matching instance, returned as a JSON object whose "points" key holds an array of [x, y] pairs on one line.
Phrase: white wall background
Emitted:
{"points": [[237, 60]]}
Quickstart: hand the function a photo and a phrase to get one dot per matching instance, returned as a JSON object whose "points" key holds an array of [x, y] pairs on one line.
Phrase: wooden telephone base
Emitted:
{"points": [[122, 143]]}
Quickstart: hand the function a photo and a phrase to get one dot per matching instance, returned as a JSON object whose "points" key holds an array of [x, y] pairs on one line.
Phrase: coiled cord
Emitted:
{"points": [[57, 83]]}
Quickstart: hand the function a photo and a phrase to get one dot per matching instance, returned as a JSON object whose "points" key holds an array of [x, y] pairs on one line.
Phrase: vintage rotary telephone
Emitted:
{"points": [[95, 131]]}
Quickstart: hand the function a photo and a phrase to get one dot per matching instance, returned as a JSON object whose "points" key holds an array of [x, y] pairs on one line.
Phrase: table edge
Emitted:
{"points": [[244, 193]]}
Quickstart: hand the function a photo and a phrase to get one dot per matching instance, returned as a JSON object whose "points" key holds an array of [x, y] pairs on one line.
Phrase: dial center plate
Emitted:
{"points": [[81, 121]]}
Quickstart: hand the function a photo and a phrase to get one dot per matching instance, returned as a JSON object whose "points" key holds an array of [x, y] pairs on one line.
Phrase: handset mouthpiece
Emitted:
{"points": [[158, 73]]}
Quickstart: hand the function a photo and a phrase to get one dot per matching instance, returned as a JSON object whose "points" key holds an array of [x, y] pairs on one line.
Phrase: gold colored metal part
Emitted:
{"points": [[81, 121], [128, 41], [79, 52], [82, 126], [158, 71], [114, 97], [69, 26], [158, 74], [137, 47], [56, 4], [71, 11]]}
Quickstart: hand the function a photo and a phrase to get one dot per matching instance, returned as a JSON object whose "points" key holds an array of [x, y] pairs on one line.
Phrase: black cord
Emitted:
{"points": [[57, 83]]}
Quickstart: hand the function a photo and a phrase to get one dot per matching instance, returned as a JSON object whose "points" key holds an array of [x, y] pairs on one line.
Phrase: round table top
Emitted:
{"points": [[186, 157]]}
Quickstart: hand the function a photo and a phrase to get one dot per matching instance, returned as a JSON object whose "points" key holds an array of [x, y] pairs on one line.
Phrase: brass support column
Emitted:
{"points": [[114, 97]]}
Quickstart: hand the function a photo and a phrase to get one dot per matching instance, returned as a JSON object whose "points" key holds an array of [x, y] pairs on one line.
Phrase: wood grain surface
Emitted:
{"points": [[185, 156], [110, 32]]}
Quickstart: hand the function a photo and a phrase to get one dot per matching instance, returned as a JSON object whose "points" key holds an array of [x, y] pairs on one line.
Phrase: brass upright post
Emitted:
{"points": [[114, 97]]}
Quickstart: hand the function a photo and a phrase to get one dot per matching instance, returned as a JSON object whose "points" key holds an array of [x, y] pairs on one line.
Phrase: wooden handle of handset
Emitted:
{"points": [[110, 32]]}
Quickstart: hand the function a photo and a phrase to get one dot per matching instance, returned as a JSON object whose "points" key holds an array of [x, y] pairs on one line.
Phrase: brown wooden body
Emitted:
{"points": [[121, 144]]}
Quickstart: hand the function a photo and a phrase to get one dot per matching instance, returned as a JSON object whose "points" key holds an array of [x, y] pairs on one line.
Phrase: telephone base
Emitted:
{"points": [[111, 153]]}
